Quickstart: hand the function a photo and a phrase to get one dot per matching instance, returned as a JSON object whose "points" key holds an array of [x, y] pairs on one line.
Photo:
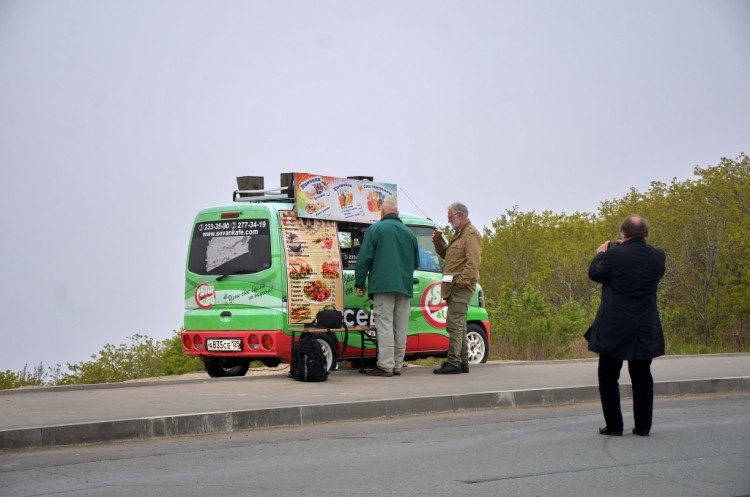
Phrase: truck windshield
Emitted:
{"points": [[429, 260], [230, 247]]}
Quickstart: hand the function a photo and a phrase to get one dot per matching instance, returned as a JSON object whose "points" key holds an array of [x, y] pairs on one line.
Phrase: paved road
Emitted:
{"points": [[56, 416], [700, 446]]}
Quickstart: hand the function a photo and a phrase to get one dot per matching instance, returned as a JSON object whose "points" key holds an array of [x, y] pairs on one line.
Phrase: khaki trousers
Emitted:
{"points": [[391, 312], [458, 307]]}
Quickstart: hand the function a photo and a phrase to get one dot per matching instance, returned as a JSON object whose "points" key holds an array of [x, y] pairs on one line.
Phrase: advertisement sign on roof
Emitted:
{"points": [[341, 199]]}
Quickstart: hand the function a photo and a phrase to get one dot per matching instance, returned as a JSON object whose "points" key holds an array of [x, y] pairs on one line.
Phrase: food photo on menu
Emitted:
{"points": [[300, 312], [294, 243], [331, 269], [325, 242], [317, 291], [298, 268]]}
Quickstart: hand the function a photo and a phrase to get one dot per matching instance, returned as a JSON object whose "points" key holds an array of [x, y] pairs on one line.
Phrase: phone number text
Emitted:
{"points": [[232, 225]]}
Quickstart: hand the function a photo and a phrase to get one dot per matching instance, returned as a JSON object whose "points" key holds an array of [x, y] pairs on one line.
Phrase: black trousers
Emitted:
{"points": [[643, 392]]}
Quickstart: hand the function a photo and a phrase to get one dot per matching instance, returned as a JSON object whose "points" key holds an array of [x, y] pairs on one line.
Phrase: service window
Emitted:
{"points": [[350, 241], [230, 247], [351, 237]]}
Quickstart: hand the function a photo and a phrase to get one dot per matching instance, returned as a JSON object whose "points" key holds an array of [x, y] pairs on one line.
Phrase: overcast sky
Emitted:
{"points": [[119, 120]]}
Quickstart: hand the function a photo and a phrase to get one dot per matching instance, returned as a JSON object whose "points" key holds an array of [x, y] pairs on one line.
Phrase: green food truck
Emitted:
{"points": [[259, 269]]}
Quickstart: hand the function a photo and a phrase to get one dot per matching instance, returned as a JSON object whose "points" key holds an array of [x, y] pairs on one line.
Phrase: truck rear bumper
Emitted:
{"points": [[250, 344]]}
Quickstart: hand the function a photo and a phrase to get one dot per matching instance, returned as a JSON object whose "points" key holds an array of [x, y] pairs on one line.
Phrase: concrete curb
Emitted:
{"points": [[245, 420]]}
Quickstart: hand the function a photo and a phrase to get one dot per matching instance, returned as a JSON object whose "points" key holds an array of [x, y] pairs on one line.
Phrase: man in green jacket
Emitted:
{"points": [[460, 276], [386, 262]]}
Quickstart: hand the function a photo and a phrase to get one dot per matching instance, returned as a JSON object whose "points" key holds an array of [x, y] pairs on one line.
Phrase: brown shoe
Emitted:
{"points": [[378, 372]]}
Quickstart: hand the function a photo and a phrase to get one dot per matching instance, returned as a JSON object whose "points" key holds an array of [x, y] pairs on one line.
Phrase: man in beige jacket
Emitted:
{"points": [[460, 276]]}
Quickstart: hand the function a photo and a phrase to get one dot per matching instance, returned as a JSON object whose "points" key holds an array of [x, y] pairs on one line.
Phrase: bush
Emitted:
{"points": [[140, 359], [174, 360], [23, 378], [527, 327]]}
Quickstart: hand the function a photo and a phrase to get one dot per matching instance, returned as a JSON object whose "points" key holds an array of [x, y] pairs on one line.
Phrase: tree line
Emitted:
{"points": [[535, 267], [535, 278]]}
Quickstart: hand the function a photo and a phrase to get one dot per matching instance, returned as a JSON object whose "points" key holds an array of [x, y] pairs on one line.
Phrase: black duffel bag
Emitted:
{"points": [[329, 318]]}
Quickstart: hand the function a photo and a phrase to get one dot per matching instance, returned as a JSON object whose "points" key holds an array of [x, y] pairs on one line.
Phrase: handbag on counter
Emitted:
{"points": [[329, 318]]}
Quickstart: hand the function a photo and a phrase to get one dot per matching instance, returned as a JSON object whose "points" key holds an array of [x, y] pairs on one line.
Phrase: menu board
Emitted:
{"points": [[341, 199], [313, 264]]}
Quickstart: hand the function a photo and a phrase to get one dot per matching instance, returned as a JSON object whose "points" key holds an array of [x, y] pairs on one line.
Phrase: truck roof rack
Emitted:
{"points": [[280, 194]]}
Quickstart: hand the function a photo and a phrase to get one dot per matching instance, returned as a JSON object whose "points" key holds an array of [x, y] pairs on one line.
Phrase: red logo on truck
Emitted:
{"points": [[205, 296], [434, 308]]}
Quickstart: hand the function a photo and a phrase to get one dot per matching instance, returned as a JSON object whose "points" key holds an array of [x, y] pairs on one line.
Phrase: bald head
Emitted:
{"points": [[634, 226], [388, 207]]}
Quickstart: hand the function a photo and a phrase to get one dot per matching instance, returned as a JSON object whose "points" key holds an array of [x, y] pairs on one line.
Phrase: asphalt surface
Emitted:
{"points": [[56, 416]]}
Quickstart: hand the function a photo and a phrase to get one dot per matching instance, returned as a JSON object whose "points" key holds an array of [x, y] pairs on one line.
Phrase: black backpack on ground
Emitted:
{"points": [[308, 361]]}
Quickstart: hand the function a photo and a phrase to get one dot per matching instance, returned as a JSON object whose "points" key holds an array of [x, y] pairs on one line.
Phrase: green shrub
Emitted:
{"points": [[140, 359], [526, 327], [23, 378], [174, 360], [8, 380]]}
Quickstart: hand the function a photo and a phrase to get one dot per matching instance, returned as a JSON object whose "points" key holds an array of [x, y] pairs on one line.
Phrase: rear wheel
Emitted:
{"points": [[218, 367], [329, 350], [478, 347]]}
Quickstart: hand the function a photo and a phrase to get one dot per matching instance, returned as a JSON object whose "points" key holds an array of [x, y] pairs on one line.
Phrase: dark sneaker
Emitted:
{"points": [[396, 372], [378, 372], [447, 368], [465, 367]]}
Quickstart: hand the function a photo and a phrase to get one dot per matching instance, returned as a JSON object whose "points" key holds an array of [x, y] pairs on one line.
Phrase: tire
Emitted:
{"points": [[329, 350], [479, 349], [220, 367]]}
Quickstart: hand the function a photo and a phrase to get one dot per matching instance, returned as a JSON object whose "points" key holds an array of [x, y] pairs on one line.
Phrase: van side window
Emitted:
{"points": [[236, 247], [429, 260]]}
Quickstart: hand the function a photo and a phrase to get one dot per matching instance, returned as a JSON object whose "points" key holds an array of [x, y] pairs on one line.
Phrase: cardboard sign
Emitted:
{"points": [[341, 199], [313, 264]]}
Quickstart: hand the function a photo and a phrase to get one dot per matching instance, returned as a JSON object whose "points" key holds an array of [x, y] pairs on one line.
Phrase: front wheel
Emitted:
{"points": [[219, 367], [479, 349]]}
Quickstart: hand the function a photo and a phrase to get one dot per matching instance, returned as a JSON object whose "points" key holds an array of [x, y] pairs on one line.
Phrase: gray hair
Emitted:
{"points": [[389, 207], [458, 207]]}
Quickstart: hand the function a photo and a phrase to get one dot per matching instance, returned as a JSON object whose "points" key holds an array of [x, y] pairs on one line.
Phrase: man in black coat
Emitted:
{"points": [[627, 325]]}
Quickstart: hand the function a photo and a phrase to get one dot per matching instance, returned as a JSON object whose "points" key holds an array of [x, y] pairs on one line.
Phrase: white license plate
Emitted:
{"points": [[229, 344]]}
